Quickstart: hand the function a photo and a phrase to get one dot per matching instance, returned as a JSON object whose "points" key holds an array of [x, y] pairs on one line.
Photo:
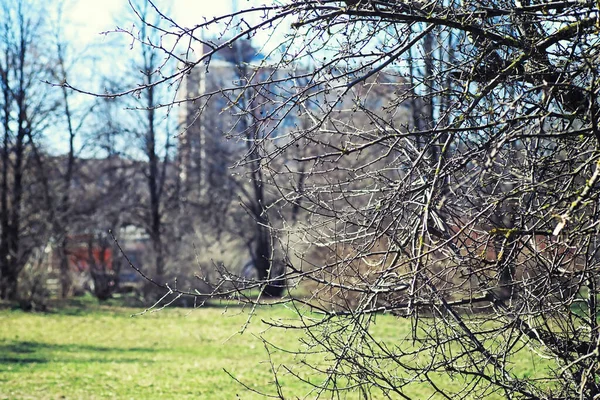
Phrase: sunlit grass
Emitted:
{"points": [[90, 351], [105, 353]]}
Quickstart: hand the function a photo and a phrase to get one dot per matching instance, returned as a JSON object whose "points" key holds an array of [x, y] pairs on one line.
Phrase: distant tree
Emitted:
{"points": [[107, 194], [74, 118], [27, 107], [147, 126], [248, 108]]}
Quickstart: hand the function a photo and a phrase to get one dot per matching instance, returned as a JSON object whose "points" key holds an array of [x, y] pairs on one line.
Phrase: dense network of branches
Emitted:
{"points": [[435, 160]]}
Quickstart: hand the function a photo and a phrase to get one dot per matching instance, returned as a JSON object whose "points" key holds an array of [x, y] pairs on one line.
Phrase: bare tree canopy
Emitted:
{"points": [[435, 160], [28, 107]]}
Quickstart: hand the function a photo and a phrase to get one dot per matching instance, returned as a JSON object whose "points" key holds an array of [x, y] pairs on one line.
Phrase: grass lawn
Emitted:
{"points": [[102, 352], [95, 352]]}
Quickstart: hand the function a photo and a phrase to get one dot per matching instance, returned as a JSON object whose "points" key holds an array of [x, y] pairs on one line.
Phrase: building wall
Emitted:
{"points": [[215, 134]]}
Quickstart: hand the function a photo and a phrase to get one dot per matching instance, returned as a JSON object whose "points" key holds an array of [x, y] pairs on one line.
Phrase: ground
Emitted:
{"points": [[106, 353], [96, 352]]}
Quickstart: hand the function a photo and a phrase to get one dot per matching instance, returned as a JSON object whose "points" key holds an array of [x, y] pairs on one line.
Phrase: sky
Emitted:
{"points": [[85, 20], [90, 17], [99, 54]]}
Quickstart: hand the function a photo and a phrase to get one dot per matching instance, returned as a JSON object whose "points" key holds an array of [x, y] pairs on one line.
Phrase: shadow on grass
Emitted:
{"points": [[87, 304], [243, 299], [26, 352]]}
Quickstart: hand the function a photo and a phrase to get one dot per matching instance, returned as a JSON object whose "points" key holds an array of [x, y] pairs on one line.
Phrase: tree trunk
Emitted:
{"points": [[267, 269], [65, 272], [8, 285]]}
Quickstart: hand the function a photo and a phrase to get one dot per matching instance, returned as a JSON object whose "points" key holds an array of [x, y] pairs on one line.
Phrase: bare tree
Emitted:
{"points": [[27, 109], [249, 109], [220, 159], [145, 123], [476, 220], [74, 118]]}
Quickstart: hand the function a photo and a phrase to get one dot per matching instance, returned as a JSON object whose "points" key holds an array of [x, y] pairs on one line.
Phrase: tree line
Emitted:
{"points": [[80, 172]]}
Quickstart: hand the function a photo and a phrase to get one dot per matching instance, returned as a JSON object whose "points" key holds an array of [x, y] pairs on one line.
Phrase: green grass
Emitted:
{"points": [[104, 353], [93, 352]]}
